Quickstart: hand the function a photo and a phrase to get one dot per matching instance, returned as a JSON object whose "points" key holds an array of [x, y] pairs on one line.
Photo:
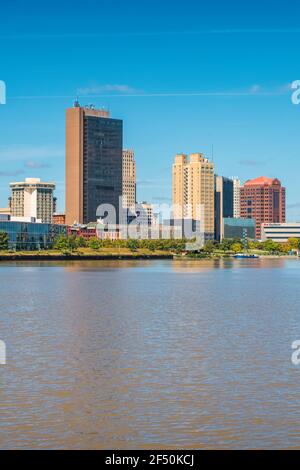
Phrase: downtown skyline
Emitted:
{"points": [[207, 92]]}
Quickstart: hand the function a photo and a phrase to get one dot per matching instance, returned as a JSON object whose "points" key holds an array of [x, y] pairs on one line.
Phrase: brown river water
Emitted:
{"points": [[150, 354]]}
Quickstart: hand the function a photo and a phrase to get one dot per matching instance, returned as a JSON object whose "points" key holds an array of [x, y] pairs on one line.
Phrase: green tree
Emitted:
{"points": [[152, 245], [65, 243], [132, 244], [94, 243], [252, 245], [61, 243], [270, 246], [3, 241], [226, 244], [236, 247], [283, 247], [81, 242], [293, 243], [209, 247]]}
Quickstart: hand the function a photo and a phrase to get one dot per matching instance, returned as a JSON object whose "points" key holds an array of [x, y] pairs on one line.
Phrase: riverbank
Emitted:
{"points": [[84, 255], [122, 254]]}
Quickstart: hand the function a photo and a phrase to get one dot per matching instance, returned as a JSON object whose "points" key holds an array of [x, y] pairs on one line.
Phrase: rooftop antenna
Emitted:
{"points": [[76, 103], [212, 152]]}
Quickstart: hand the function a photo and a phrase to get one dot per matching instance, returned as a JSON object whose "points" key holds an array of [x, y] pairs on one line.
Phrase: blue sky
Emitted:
{"points": [[183, 77]]}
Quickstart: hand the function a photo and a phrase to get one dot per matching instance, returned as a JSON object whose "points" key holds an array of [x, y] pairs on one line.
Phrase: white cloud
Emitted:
{"points": [[255, 89], [34, 164], [95, 89]]}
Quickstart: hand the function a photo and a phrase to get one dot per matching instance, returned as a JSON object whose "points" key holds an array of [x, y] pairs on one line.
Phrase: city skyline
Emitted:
{"points": [[237, 102]]}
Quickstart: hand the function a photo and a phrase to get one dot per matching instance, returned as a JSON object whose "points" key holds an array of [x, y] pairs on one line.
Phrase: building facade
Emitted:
{"points": [[30, 236], [280, 232], [145, 214], [239, 228], [223, 204], [32, 198], [85, 231], [94, 145], [59, 218], [128, 179], [193, 190], [263, 199], [236, 197], [5, 210]]}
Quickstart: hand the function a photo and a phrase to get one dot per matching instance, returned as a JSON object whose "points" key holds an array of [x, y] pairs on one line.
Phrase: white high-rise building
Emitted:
{"points": [[32, 198], [236, 197]]}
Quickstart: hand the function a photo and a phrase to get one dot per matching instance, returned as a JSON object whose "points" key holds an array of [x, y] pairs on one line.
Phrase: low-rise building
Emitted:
{"points": [[59, 218], [109, 231], [85, 231], [28, 236], [280, 232], [239, 228]]}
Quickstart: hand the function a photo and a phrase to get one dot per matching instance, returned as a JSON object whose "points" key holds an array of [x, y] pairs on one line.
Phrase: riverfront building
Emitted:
{"points": [[85, 231], [32, 198], [128, 179], [94, 144], [223, 204], [280, 232], [239, 228], [27, 236], [263, 199], [193, 190]]}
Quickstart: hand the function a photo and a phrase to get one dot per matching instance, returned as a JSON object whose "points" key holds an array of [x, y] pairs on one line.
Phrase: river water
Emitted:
{"points": [[150, 354]]}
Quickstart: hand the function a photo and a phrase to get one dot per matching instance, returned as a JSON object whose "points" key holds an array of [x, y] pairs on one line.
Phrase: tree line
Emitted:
{"points": [[72, 243]]}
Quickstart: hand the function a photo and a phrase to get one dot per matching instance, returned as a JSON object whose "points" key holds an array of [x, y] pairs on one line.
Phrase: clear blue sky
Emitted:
{"points": [[182, 76]]}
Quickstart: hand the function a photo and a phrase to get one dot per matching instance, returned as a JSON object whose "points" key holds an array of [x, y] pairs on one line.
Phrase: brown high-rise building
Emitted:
{"points": [[94, 144], [263, 199]]}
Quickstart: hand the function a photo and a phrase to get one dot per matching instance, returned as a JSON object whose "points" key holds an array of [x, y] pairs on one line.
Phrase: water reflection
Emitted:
{"points": [[137, 355]]}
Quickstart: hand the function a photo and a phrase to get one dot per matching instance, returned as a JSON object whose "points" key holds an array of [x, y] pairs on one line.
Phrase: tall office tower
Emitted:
{"points": [[223, 204], [236, 197], [93, 162], [193, 186], [32, 198], [263, 199], [129, 179]]}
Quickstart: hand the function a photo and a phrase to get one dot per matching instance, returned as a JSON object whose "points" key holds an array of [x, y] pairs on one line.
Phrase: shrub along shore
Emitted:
{"points": [[71, 247]]}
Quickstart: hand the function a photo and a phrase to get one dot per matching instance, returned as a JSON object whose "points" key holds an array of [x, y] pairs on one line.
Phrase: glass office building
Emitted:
{"points": [[102, 164], [29, 236], [94, 146], [239, 228], [223, 204]]}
